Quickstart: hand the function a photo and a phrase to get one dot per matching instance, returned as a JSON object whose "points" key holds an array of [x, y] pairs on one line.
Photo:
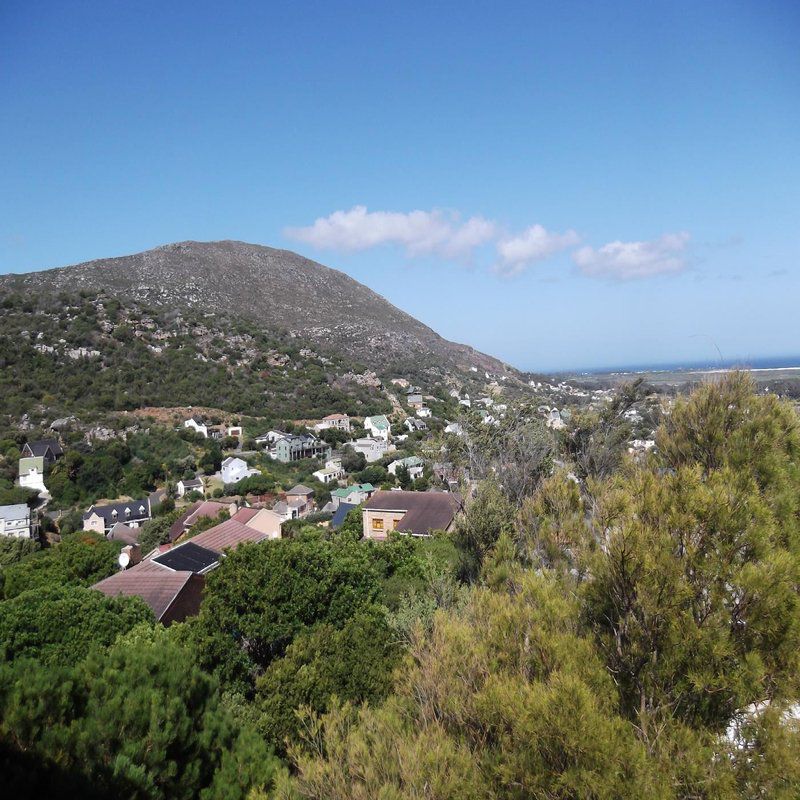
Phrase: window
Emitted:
{"points": [[377, 524]]}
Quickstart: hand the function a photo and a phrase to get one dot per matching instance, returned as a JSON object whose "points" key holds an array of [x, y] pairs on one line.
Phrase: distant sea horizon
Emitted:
{"points": [[760, 363]]}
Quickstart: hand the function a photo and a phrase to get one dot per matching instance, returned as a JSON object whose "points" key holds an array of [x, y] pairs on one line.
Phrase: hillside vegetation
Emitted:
{"points": [[598, 626], [73, 353]]}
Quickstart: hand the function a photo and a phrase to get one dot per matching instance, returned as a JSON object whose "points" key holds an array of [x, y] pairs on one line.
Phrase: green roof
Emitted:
{"points": [[379, 421], [26, 464], [347, 491]]}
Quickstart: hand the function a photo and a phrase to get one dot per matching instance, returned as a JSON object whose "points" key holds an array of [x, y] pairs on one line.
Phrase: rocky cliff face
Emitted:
{"points": [[278, 289]]}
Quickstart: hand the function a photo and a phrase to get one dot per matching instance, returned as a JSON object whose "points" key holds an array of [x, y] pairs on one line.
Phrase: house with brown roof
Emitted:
{"points": [[171, 581], [262, 519], [202, 509], [173, 595], [414, 513], [338, 421]]}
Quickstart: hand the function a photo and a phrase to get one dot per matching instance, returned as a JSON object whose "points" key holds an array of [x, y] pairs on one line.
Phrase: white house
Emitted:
{"points": [[414, 465], [235, 470], [338, 421], [332, 472], [31, 474], [15, 520], [270, 438], [413, 424], [372, 448], [424, 411], [378, 427], [198, 426], [191, 485]]}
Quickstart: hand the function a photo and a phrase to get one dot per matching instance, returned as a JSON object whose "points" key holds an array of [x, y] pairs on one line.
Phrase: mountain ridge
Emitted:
{"points": [[280, 289]]}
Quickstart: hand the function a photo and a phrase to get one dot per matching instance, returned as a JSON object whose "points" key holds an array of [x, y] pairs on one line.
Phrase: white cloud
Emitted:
{"points": [[631, 260], [419, 232], [536, 243], [447, 235]]}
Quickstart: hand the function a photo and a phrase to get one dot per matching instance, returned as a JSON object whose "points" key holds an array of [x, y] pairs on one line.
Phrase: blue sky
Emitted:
{"points": [[564, 185]]}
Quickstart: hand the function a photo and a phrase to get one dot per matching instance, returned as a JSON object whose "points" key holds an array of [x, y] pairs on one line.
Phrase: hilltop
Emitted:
{"points": [[278, 290]]}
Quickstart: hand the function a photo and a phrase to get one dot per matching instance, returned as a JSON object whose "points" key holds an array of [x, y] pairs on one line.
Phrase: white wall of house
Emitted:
{"points": [[33, 479], [235, 469], [15, 520], [197, 428]]}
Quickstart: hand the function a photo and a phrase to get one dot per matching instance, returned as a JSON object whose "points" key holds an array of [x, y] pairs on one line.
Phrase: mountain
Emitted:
{"points": [[278, 289]]}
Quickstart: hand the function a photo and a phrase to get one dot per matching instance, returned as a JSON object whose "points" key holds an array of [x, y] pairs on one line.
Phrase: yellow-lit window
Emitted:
{"points": [[377, 524]]}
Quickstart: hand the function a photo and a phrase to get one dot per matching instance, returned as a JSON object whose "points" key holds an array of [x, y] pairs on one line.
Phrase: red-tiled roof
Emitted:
{"points": [[163, 590], [230, 533], [244, 515], [196, 511], [424, 511]]}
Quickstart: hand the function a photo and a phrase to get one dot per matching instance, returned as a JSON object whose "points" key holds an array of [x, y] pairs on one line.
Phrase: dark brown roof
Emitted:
{"points": [[179, 526], [193, 513], [424, 511], [172, 595], [244, 515]]}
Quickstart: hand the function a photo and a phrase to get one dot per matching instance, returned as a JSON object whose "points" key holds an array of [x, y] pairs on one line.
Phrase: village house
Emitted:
{"points": [[197, 425], [206, 429], [332, 472], [414, 513], [261, 519], [414, 400], [15, 520], [299, 503], [187, 485], [293, 447], [352, 495], [202, 509], [373, 449], [172, 582], [424, 411], [235, 469], [48, 449], [101, 519], [378, 427], [31, 473], [339, 422], [413, 424], [414, 465], [269, 438]]}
